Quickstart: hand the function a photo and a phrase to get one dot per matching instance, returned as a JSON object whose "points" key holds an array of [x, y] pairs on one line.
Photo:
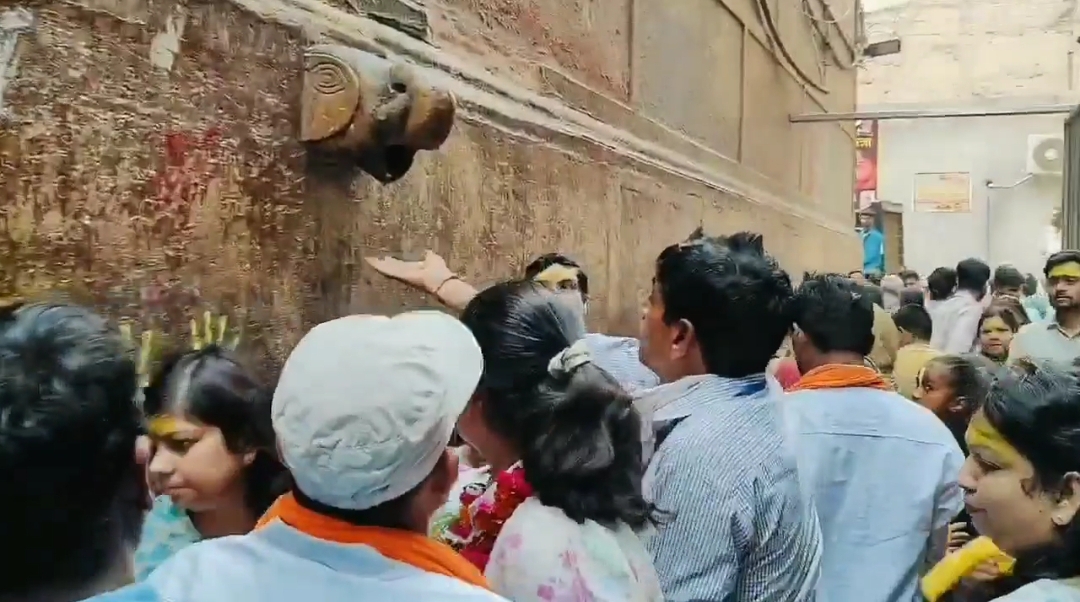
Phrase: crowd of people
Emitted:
{"points": [[835, 440]]}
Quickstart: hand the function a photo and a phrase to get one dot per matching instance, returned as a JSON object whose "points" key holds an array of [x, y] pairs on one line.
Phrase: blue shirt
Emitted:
{"points": [[738, 527], [166, 530], [280, 564], [620, 357], [133, 593], [883, 475], [873, 244]]}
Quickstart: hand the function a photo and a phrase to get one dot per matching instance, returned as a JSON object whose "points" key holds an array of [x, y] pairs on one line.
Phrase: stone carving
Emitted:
{"points": [[376, 111]]}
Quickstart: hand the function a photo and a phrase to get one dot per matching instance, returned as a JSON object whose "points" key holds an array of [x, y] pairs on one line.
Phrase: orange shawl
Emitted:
{"points": [[403, 546], [840, 376]]}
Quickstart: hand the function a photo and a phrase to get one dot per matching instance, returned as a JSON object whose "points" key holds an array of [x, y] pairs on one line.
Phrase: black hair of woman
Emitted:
{"points": [[969, 377], [941, 283], [213, 387], [1035, 406], [1031, 285], [576, 431]]}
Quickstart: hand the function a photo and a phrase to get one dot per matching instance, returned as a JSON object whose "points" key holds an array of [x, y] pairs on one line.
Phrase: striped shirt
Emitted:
{"points": [[736, 526], [618, 356]]}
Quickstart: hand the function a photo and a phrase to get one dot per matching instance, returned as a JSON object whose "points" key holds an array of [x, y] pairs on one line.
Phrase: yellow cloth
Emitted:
{"points": [[910, 360], [947, 573], [886, 341]]}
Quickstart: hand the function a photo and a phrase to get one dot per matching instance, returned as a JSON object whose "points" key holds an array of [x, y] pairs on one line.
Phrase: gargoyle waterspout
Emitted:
{"points": [[376, 111]]}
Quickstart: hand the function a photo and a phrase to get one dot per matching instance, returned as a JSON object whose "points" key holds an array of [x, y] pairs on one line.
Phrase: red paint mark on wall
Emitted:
{"points": [[188, 166]]}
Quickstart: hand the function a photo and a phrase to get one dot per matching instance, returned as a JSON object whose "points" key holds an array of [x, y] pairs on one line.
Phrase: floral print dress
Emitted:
{"points": [[542, 555]]}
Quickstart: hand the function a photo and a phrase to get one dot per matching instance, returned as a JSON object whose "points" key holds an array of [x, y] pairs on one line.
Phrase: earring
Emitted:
{"points": [[1059, 521]]}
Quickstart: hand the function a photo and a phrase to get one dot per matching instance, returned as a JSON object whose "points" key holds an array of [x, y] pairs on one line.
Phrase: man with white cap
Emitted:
{"points": [[363, 411]]}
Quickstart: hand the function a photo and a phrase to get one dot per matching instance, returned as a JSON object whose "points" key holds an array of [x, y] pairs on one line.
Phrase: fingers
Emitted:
{"points": [[986, 571], [144, 449]]}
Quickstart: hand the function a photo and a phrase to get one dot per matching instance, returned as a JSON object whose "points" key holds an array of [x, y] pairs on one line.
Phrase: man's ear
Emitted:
{"points": [[684, 338], [1068, 500]]}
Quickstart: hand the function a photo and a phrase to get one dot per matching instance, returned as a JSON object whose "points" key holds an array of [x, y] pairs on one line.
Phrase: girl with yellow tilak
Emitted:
{"points": [[214, 467], [1022, 491]]}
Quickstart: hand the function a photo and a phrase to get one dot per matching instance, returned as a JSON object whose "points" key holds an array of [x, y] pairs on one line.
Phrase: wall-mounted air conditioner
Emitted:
{"points": [[1046, 154]]}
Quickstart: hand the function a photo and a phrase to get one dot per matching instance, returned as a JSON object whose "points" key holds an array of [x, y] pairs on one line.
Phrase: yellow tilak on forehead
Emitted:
{"points": [[981, 433], [555, 274], [1069, 269], [163, 426]]}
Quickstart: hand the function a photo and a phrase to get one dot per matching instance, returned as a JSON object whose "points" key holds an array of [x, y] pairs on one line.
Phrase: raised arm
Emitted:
{"points": [[430, 274]]}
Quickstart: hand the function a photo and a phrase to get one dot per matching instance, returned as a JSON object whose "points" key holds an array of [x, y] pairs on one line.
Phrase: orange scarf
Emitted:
{"points": [[840, 376], [403, 546]]}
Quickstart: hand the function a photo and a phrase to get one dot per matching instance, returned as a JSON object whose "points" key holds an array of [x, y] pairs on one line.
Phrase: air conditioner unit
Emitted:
{"points": [[1046, 154]]}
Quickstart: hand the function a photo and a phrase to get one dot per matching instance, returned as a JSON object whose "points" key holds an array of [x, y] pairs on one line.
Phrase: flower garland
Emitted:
{"points": [[485, 508]]}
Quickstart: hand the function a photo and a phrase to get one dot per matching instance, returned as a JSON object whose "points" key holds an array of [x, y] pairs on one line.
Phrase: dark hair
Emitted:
{"points": [[391, 514], [912, 295], [834, 313], [1036, 408], [872, 293], [914, 318], [73, 493], [733, 293], [1031, 285], [1059, 258], [941, 283], [908, 274], [1007, 276], [969, 378], [547, 260], [972, 275], [578, 433], [211, 386], [1008, 309]]}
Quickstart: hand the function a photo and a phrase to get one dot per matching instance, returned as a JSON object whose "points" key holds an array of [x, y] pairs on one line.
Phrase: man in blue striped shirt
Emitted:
{"points": [[737, 526]]}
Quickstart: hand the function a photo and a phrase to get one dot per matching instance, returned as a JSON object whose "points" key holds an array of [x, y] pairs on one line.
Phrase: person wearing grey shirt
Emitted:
{"points": [[1057, 339]]}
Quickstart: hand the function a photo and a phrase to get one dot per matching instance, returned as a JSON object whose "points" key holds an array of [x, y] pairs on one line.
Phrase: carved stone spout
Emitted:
{"points": [[374, 111]]}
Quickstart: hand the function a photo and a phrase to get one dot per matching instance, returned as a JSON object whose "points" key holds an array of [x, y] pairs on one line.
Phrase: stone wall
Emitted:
{"points": [[149, 161]]}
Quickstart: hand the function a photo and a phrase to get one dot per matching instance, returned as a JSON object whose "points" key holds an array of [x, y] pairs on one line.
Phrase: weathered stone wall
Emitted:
{"points": [[149, 163]]}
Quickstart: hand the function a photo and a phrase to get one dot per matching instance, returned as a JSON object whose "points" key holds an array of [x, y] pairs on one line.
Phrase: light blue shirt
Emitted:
{"points": [[166, 530], [620, 357], [739, 528], [883, 474], [280, 564]]}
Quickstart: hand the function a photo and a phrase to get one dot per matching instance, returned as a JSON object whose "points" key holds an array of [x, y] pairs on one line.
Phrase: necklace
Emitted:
{"points": [[485, 507]]}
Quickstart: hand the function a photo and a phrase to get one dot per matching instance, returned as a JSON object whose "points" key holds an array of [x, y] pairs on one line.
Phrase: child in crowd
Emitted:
{"points": [[915, 351], [998, 325]]}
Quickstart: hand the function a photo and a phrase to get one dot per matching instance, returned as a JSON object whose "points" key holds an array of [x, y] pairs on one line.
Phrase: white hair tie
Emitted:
{"points": [[573, 357]]}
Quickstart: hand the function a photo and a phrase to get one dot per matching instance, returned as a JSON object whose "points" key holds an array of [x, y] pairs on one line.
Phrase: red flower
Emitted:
{"points": [[482, 528]]}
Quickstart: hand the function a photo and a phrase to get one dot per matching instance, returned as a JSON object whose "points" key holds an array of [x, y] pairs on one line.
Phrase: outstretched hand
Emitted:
{"points": [[428, 274]]}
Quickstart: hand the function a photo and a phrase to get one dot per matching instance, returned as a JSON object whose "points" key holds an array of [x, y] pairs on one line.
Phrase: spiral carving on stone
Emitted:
{"points": [[328, 78]]}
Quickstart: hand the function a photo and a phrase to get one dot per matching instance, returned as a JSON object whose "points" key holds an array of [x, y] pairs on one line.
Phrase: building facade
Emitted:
{"points": [[972, 57], [156, 157]]}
